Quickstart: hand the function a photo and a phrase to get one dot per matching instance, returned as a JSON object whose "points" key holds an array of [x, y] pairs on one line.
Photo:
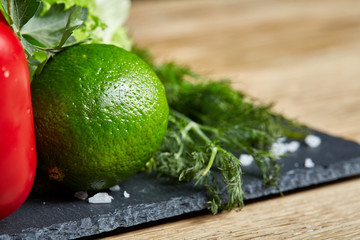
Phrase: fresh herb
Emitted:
{"points": [[208, 122], [189, 154], [105, 20], [43, 34], [49, 26]]}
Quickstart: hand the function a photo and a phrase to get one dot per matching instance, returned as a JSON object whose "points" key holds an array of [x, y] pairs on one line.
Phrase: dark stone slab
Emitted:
{"points": [[153, 199]]}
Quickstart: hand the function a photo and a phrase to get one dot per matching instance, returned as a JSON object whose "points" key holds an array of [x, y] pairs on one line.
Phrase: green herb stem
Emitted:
{"points": [[8, 9], [211, 161], [208, 121]]}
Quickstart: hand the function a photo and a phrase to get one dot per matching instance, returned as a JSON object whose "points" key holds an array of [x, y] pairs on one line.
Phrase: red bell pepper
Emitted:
{"points": [[17, 139], [2, 18]]}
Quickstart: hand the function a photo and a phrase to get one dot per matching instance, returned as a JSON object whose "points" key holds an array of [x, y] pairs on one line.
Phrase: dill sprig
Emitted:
{"points": [[188, 154], [208, 121]]}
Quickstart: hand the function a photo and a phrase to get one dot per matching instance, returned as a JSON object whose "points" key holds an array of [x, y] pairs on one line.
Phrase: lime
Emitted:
{"points": [[100, 113]]}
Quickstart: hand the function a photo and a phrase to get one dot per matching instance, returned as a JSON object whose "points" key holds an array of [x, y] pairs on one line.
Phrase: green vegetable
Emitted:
{"points": [[209, 120], [99, 122], [48, 27], [105, 21], [42, 34]]}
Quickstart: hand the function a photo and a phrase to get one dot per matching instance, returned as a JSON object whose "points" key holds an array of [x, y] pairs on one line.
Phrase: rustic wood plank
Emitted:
{"points": [[302, 55], [321, 213]]}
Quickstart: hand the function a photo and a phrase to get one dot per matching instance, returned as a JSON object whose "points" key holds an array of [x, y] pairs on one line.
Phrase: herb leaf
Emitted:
{"points": [[20, 11], [43, 34], [54, 27], [189, 155], [208, 122]]}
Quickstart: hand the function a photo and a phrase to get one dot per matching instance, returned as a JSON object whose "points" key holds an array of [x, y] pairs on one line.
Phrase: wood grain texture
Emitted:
{"points": [[312, 214], [302, 55]]}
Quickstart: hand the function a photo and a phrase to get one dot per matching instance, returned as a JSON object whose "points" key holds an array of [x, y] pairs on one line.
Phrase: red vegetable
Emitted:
{"points": [[2, 18], [17, 139]]}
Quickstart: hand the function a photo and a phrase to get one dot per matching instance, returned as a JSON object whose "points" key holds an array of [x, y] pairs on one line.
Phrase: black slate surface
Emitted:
{"points": [[154, 199]]}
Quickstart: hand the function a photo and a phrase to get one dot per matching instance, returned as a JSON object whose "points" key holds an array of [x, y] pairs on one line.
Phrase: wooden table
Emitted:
{"points": [[302, 55]]}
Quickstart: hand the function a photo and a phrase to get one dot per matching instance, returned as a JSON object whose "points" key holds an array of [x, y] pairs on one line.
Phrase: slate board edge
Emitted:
{"points": [[177, 206], [137, 214], [144, 213], [306, 178]]}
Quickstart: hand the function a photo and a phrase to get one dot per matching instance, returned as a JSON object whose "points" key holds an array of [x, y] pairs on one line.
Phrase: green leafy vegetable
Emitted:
{"points": [[20, 11], [49, 26], [210, 120], [189, 154], [105, 21], [43, 34]]}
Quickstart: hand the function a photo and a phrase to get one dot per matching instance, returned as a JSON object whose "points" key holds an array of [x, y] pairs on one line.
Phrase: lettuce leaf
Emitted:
{"points": [[104, 22]]}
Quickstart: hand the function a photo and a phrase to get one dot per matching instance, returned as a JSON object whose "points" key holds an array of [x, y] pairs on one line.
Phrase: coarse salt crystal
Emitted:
{"points": [[246, 159], [115, 188], [309, 163], [101, 197], [292, 146], [278, 149], [312, 141], [126, 194], [82, 195]]}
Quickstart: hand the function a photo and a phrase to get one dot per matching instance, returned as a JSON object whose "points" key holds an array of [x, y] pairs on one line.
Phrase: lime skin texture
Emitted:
{"points": [[100, 113]]}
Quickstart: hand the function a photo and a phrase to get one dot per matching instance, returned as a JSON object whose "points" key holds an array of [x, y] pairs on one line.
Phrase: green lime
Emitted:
{"points": [[100, 113]]}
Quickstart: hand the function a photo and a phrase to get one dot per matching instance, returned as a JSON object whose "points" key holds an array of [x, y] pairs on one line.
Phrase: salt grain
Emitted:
{"points": [[115, 188], [292, 146], [101, 197], [309, 163], [246, 159], [126, 195], [313, 141], [82, 195], [278, 149]]}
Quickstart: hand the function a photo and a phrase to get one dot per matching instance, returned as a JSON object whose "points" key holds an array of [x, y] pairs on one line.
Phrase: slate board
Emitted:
{"points": [[153, 199]]}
